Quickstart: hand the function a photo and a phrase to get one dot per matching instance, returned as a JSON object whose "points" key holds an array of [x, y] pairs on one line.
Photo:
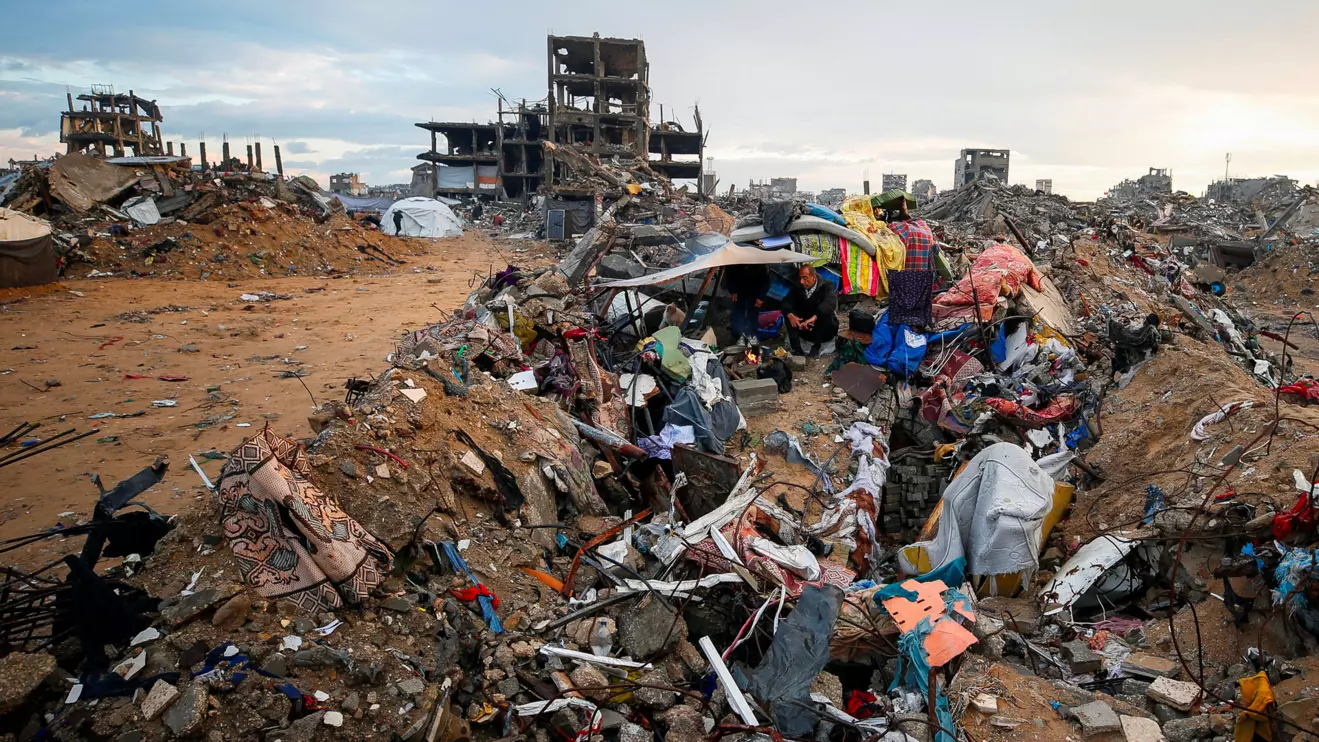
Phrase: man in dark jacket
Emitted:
{"points": [[811, 308], [747, 286]]}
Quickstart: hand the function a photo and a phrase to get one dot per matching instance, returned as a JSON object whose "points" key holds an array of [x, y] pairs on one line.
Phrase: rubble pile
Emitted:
{"points": [[1076, 500], [157, 216]]}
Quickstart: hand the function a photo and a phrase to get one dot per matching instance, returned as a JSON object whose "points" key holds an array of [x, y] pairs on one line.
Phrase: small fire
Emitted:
{"points": [[753, 356]]}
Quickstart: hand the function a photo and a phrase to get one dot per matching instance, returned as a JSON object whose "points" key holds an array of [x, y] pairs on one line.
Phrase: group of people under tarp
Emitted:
{"points": [[809, 311]]}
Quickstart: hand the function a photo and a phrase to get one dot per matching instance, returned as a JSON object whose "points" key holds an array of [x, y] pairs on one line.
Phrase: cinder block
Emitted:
{"points": [[751, 391]]}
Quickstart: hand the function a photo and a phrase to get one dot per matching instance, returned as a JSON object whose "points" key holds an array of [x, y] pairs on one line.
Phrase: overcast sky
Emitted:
{"points": [[1085, 93]]}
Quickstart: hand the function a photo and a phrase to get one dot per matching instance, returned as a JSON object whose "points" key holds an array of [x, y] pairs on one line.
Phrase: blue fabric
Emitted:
{"points": [[894, 590], [909, 349], [913, 663], [881, 344], [487, 604], [952, 573], [825, 212], [899, 349], [998, 349]]}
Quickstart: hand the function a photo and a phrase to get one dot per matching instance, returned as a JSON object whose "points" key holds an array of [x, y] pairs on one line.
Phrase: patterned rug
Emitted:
{"points": [[291, 541]]}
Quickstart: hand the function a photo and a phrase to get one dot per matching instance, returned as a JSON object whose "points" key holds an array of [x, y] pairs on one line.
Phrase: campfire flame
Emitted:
{"points": [[753, 355]]}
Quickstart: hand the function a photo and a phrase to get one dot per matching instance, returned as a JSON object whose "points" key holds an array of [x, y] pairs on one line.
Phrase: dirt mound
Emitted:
{"points": [[1286, 277], [245, 240]]}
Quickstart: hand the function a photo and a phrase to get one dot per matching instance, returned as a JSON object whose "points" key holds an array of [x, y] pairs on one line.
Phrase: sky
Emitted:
{"points": [[1085, 93]]}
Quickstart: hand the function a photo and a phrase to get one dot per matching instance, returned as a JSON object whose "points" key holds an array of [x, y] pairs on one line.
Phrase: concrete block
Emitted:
{"points": [[754, 390], [1181, 696], [1138, 729], [1080, 658], [1149, 666], [1097, 718]]}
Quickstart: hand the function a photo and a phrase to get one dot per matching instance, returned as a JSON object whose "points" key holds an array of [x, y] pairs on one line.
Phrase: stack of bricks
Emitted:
{"points": [[915, 484]]}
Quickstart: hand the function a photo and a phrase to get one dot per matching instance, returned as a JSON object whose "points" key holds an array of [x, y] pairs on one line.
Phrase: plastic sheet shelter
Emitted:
{"points": [[730, 254], [422, 217], [27, 251]]}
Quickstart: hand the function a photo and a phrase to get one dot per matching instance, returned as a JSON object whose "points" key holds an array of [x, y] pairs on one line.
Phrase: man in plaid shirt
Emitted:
{"points": [[913, 231]]}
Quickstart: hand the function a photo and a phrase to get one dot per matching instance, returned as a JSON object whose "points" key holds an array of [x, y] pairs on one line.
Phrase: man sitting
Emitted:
{"points": [[811, 308]]}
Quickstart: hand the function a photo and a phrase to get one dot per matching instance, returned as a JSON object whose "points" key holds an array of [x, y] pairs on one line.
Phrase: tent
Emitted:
{"points": [[421, 217], [27, 251], [730, 254]]}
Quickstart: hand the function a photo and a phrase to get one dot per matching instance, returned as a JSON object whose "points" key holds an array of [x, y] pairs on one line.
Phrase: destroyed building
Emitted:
{"points": [[348, 184], [598, 101], [890, 181], [924, 191], [831, 196], [111, 123], [1156, 181], [1246, 190], [1044, 185], [972, 163]]}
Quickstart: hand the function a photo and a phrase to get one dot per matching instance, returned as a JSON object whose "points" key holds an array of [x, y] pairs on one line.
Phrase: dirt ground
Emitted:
{"points": [[92, 336]]}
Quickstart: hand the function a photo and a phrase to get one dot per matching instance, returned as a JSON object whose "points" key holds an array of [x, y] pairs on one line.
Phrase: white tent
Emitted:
{"points": [[421, 217]]}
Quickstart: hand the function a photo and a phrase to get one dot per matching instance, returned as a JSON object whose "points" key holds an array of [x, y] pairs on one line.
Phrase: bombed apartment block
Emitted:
{"points": [[891, 181], [1044, 185], [522, 165], [347, 184], [974, 163], [599, 95], [110, 123], [675, 152], [466, 158], [598, 103], [924, 191]]}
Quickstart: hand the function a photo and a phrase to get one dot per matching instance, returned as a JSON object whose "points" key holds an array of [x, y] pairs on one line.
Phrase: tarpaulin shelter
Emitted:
{"points": [[422, 217], [730, 254], [27, 251]]}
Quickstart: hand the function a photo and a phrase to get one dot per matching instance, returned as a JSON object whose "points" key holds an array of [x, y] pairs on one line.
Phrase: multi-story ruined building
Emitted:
{"points": [[598, 101], [891, 181], [1044, 185], [972, 163], [1156, 181], [112, 124], [347, 184], [924, 191]]}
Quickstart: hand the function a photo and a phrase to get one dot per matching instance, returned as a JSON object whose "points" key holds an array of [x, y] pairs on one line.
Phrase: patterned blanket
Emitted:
{"points": [[291, 540]]}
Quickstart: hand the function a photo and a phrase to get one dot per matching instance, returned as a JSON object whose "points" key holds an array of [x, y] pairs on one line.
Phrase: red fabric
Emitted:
{"points": [[1059, 409], [918, 238], [1300, 519], [860, 704], [1307, 388], [470, 594], [1002, 269]]}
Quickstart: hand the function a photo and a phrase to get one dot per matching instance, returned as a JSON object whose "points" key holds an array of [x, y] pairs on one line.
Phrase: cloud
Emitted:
{"points": [[297, 148]]}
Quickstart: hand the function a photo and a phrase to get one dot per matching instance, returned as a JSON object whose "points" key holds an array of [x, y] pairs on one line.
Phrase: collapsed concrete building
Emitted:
{"points": [[971, 163], [1247, 190], [1044, 185], [598, 101], [112, 122], [1156, 181]]}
